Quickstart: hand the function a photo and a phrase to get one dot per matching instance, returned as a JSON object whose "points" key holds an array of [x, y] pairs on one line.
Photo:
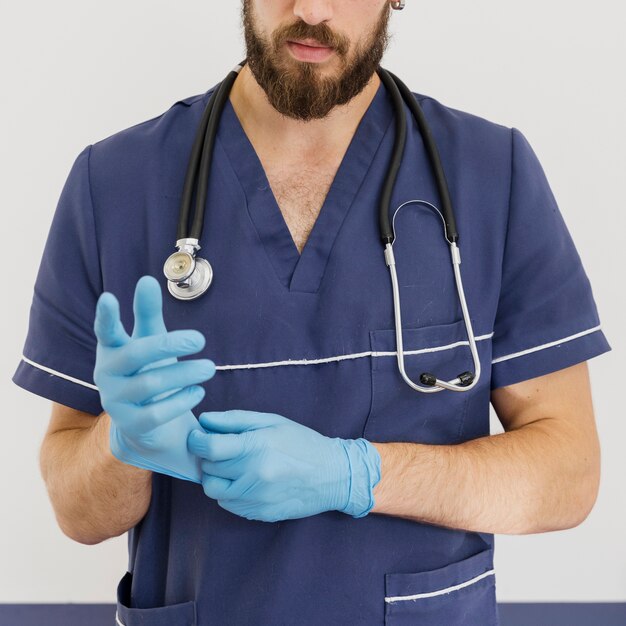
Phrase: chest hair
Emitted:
{"points": [[300, 194]]}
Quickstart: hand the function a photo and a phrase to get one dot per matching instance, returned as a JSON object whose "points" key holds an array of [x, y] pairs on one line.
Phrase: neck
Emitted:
{"points": [[261, 120]]}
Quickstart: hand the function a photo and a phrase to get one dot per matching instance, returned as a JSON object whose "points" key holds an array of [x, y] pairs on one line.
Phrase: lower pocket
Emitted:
{"points": [[460, 594], [182, 614]]}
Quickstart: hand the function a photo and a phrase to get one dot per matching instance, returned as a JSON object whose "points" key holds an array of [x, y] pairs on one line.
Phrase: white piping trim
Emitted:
{"points": [[440, 592], [59, 374], [546, 345], [330, 359], [118, 621], [343, 357], [463, 342]]}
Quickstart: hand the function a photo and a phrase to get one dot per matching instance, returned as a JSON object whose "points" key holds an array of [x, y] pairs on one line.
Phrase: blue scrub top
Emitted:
{"points": [[311, 337]]}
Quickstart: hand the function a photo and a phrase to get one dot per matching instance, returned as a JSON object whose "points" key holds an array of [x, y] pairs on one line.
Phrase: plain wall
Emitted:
{"points": [[75, 72]]}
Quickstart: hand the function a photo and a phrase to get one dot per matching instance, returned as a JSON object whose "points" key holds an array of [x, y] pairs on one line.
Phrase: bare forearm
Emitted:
{"points": [[94, 495], [523, 481]]}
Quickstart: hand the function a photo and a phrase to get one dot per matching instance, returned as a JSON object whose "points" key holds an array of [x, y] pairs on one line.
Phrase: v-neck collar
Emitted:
{"points": [[303, 272]]}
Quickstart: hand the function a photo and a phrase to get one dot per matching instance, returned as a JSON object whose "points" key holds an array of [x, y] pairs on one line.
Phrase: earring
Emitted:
{"points": [[398, 5]]}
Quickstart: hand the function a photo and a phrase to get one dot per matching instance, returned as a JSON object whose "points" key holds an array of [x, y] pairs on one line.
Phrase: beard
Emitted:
{"points": [[297, 90]]}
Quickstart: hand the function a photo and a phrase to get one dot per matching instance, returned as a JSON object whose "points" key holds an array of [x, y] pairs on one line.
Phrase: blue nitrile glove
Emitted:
{"points": [[147, 392], [266, 467]]}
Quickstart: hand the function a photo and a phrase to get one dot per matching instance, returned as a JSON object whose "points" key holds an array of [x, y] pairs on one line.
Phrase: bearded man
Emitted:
{"points": [[316, 487]]}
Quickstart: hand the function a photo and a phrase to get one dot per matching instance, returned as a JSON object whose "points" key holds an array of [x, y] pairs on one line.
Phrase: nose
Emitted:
{"points": [[313, 11]]}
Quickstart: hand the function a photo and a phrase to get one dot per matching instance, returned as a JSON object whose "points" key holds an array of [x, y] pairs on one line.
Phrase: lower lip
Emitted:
{"points": [[309, 54]]}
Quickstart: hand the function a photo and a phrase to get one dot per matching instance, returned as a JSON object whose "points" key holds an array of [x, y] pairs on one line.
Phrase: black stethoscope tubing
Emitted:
{"points": [[202, 155], [189, 276]]}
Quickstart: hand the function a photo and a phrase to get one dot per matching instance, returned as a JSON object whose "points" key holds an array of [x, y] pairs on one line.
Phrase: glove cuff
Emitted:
{"points": [[364, 461]]}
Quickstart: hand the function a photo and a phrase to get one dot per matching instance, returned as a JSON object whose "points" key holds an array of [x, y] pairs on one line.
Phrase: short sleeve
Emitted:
{"points": [[546, 318], [59, 351]]}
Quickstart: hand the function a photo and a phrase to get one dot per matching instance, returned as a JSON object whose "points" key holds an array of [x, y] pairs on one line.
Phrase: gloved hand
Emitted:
{"points": [[266, 467], [147, 392]]}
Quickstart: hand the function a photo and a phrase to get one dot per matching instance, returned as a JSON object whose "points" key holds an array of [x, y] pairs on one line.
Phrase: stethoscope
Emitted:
{"points": [[189, 276]]}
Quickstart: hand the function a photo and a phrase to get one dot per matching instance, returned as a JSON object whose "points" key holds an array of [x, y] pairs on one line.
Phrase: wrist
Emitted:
{"points": [[118, 444], [363, 475]]}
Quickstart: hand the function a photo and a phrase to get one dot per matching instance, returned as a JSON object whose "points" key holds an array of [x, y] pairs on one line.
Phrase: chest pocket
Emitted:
{"points": [[400, 413]]}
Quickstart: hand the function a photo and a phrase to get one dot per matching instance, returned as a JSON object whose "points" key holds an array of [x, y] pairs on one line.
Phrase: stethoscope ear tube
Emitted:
{"points": [[386, 231], [400, 93], [430, 383], [452, 234]]}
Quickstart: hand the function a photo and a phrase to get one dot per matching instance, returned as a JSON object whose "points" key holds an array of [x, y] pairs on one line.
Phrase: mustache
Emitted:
{"points": [[319, 32]]}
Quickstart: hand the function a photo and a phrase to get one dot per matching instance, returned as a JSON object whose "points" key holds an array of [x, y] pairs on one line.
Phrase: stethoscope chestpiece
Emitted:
{"points": [[188, 276]]}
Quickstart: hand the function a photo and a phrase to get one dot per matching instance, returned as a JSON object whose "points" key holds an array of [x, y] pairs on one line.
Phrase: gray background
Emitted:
{"points": [[75, 72]]}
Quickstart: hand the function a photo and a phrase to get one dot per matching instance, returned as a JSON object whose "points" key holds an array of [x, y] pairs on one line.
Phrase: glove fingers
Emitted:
{"points": [[216, 446], [107, 325], [144, 418], [237, 420], [148, 308], [230, 469], [215, 487], [146, 350], [142, 387]]}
